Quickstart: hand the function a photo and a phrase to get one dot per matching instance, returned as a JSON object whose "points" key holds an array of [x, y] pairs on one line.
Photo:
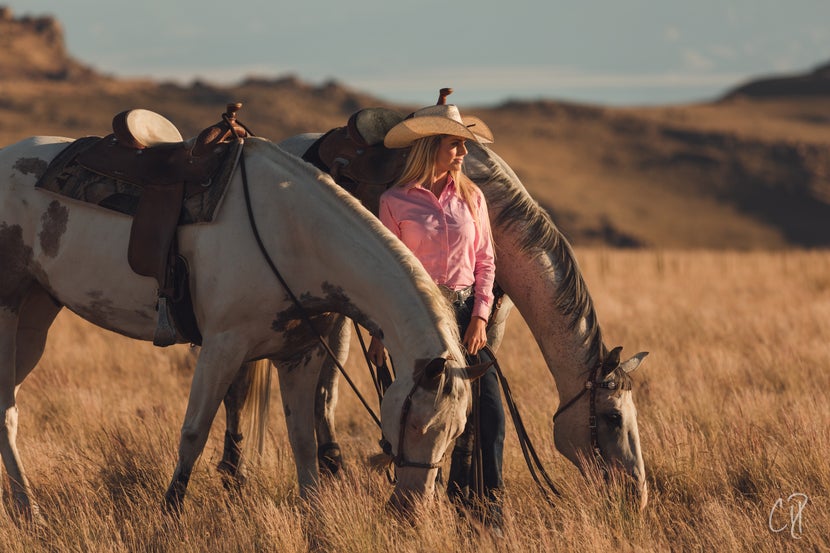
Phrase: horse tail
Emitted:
{"points": [[256, 406]]}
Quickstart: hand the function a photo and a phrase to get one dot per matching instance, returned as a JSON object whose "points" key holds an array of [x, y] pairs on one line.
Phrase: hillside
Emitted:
{"points": [[33, 48], [751, 170], [814, 83]]}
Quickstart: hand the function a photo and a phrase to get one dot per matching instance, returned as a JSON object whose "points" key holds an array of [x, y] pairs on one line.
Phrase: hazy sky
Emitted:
{"points": [[604, 51]]}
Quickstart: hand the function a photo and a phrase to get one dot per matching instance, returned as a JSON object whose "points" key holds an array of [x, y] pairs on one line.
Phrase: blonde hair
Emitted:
{"points": [[420, 169]]}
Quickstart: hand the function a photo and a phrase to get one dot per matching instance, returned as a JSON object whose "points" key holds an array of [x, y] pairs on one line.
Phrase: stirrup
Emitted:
{"points": [[165, 334]]}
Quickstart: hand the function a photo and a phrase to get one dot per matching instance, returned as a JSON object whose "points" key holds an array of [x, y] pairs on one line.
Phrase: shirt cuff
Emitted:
{"points": [[481, 309]]}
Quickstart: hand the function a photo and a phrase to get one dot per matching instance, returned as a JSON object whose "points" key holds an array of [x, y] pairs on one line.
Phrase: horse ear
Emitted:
{"points": [[428, 374], [474, 372], [612, 360], [631, 365], [433, 370]]}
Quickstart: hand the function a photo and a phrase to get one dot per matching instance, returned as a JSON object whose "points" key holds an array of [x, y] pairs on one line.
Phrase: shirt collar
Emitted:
{"points": [[411, 185]]}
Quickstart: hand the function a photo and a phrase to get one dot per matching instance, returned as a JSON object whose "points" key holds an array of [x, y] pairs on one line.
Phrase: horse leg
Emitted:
{"points": [[22, 338], [251, 385], [329, 454], [298, 382], [234, 401], [298, 378], [219, 361]]}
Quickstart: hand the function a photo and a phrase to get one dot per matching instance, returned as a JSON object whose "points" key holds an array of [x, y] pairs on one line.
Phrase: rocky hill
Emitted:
{"points": [[33, 48], [751, 170]]}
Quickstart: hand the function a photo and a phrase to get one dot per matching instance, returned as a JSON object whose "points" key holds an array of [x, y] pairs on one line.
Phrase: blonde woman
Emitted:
{"points": [[442, 217]]}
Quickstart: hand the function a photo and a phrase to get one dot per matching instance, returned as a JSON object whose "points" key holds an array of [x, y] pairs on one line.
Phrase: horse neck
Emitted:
{"points": [[563, 325], [536, 267], [384, 285]]}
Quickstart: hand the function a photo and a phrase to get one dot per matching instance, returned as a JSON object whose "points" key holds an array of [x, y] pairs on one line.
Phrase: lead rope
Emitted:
{"points": [[534, 464], [303, 313]]}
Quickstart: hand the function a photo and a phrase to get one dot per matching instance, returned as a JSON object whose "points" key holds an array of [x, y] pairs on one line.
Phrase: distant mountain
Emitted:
{"points": [[751, 170], [34, 48], [814, 83]]}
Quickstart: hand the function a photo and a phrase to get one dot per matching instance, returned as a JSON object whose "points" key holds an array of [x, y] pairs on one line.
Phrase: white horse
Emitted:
{"points": [[334, 255], [537, 269]]}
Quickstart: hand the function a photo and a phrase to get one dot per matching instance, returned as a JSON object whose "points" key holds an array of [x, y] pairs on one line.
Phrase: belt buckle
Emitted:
{"points": [[456, 296], [463, 294]]}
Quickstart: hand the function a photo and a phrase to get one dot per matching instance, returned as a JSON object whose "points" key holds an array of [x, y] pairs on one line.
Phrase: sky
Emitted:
{"points": [[611, 52]]}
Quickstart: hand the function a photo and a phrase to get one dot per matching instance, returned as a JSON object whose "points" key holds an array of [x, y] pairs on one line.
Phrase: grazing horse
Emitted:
{"points": [[332, 253], [596, 423]]}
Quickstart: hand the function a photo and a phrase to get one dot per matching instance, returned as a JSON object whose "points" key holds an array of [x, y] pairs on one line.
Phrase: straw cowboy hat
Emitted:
{"points": [[434, 120]]}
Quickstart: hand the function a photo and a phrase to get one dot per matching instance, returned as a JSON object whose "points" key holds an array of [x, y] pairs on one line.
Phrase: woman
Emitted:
{"points": [[442, 217]]}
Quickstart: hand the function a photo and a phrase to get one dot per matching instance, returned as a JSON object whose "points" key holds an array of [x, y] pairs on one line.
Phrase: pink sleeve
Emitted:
{"points": [[485, 263]]}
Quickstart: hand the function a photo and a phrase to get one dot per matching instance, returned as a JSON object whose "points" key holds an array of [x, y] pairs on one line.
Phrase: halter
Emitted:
{"points": [[591, 386]]}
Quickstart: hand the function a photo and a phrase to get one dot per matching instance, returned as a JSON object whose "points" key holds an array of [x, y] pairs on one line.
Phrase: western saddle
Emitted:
{"points": [[355, 157], [147, 150]]}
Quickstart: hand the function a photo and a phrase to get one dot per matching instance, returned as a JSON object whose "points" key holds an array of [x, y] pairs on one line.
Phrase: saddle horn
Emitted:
{"points": [[226, 130]]}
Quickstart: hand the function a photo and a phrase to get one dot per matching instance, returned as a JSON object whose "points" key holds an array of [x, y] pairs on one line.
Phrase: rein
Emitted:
{"points": [[399, 458], [534, 465], [528, 450], [303, 313]]}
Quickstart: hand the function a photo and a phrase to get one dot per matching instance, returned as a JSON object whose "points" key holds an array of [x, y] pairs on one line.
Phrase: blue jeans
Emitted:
{"points": [[491, 433]]}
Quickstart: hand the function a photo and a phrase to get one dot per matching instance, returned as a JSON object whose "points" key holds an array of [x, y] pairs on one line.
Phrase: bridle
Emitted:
{"points": [[398, 458], [591, 386]]}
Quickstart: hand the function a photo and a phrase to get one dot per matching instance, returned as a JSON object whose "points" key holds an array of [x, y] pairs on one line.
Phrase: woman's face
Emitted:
{"points": [[450, 155]]}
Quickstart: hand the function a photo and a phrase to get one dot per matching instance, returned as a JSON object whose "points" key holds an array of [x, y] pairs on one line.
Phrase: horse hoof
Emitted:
{"points": [[29, 516], [232, 477], [173, 502], [329, 459]]}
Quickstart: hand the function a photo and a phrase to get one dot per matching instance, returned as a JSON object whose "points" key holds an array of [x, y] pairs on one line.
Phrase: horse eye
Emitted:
{"points": [[613, 419]]}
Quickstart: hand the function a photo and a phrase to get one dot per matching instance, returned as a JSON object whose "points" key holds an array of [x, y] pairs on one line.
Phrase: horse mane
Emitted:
{"points": [[537, 233], [440, 310]]}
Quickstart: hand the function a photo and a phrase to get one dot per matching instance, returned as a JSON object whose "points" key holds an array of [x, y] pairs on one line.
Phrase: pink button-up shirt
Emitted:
{"points": [[442, 234]]}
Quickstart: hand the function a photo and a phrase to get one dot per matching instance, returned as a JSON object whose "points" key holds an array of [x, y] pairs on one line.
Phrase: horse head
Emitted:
{"points": [[596, 429], [421, 419]]}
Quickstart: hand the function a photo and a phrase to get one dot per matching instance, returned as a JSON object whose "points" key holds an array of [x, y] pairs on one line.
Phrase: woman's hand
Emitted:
{"points": [[475, 337], [376, 352]]}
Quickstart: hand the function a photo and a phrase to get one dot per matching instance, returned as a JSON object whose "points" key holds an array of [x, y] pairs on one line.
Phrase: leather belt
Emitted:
{"points": [[456, 296]]}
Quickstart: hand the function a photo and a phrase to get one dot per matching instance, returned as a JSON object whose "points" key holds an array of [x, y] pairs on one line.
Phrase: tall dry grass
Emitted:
{"points": [[733, 404]]}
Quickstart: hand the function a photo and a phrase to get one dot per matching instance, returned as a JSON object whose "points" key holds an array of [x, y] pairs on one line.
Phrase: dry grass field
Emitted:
{"points": [[733, 409]]}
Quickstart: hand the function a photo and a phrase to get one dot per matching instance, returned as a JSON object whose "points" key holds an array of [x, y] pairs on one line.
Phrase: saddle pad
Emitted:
{"points": [[66, 177]]}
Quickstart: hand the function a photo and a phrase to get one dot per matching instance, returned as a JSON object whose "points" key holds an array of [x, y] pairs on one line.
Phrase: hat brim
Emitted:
{"points": [[408, 131]]}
